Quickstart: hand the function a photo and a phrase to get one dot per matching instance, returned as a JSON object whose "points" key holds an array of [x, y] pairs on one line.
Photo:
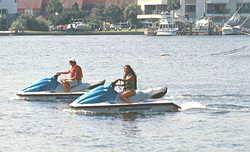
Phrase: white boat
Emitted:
{"points": [[49, 89], [231, 30], [233, 26], [105, 100], [167, 28]]}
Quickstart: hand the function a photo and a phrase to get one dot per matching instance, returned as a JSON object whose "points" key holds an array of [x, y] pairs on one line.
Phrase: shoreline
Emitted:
{"points": [[30, 33], [62, 33]]}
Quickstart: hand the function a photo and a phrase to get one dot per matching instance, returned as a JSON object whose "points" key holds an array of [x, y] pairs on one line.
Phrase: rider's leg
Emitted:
{"points": [[126, 94]]}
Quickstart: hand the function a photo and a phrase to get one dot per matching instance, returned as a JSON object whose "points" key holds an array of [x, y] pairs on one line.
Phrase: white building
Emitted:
{"points": [[8, 7], [152, 9], [195, 9]]}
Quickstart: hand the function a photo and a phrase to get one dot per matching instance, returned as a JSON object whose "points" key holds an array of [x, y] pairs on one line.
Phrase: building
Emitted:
{"points": [[195, 9], [31, 7], [67, 4], [120, 3], [152, 9], [8, 7], [37, 7]]}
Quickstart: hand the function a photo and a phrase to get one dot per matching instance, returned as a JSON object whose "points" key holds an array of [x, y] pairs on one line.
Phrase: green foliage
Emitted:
{"points": [[75, 8], [17, 25], [3, 23], [173, 4], [25, 22], [98, 13], [131, 12], [54, 6], [63, 16], [113, 13]]}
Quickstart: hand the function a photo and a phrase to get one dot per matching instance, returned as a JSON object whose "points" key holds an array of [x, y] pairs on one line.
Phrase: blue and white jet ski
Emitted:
{"points": [[104, 99], [49, 89]]}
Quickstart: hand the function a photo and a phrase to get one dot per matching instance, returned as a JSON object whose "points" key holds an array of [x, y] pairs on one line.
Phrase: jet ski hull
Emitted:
{"points": [[139, 107], [56, 95], [49, 96]]}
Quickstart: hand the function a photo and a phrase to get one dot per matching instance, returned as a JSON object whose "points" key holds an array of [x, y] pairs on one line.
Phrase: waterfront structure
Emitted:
{"points": [[37, 7], [152, 9], [194, 9], [67, 4], [8, 7], [120, 3], [31, 7], [218, 9]]}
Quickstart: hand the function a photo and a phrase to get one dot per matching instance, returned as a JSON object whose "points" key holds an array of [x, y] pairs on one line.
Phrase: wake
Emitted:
{"points": [[191, 105]]}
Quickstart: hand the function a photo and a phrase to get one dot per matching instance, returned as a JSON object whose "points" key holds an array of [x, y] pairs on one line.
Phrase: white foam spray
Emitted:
{"points": [[191, 105]]}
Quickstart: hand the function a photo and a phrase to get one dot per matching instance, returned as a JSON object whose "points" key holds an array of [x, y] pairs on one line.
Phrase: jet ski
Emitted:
{"points": [[49, 89], [105, 99]]}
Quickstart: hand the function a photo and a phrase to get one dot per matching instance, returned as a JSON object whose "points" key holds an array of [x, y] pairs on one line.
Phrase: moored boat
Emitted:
{"points": [[234, 25], [167, 28]]}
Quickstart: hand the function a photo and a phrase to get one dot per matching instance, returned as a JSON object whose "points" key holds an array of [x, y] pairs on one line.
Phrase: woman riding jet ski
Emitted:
{"points": [[104, 99], [129, 83]]}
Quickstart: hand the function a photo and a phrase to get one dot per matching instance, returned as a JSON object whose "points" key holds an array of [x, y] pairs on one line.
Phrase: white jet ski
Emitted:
{"points": [[49, 89], [105, 100]]}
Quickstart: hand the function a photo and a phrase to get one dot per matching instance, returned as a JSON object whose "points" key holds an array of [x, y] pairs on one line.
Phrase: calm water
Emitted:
{"points": [[199, 71]]}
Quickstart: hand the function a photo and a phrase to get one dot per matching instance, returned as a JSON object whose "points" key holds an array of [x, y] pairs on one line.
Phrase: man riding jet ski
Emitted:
{"points": [[52, 88], [75, 76]]}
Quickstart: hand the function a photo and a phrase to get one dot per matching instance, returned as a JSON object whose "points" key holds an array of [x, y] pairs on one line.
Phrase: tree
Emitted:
{"points": [[97, 13], [130, 13], [17, 25], [173, 4], [54, 6], [3, 23], [25, 22], [75, 8], [113, 13]]}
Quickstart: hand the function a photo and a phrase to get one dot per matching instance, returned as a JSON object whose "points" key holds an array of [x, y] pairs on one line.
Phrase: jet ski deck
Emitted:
{"points": [[139, 107], [49, 89]]}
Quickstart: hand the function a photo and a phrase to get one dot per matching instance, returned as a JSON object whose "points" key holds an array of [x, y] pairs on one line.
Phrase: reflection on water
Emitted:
{"points": [[209, 75]]}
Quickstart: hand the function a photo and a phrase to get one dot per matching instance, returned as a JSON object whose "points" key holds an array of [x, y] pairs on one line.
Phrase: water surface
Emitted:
{"points": [[211, 71]]}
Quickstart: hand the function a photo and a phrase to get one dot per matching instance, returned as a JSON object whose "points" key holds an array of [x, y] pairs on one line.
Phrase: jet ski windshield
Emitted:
{"points": [[46, 84], [104, 93]]}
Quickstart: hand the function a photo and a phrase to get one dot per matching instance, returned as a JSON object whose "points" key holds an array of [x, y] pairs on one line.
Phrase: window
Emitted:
{"points": [[3, 11], [219, 8], [245, 8]]}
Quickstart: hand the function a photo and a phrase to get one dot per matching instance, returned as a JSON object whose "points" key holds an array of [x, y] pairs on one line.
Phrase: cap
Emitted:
{"points": [[72, 60]]}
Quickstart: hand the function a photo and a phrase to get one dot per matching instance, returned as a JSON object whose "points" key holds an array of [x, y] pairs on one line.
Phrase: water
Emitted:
{"points": [[207, 76]]}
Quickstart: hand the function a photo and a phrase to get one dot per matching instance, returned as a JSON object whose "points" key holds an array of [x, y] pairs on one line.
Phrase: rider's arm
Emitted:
{"points": [[65, 72], [130, 77], [116, 81]]}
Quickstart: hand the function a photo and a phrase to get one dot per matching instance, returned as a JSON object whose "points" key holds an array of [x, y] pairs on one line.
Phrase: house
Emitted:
{"points": [[38, 7], [120, 3], [67, 4], [31, 7], [8, 7]]}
